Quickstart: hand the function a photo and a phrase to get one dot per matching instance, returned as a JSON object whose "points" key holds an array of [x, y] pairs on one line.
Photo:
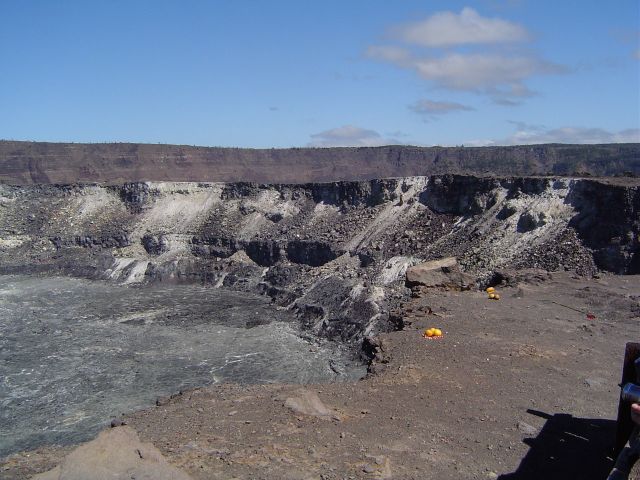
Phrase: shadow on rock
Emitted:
{"points": [[567, 447]]}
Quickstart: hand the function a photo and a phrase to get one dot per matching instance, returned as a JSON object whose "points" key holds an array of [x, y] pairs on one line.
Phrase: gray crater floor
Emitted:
{"points": [[75, 353]]}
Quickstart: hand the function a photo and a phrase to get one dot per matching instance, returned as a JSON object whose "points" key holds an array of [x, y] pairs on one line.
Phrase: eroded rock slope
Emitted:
{"points": [[333, 253]]}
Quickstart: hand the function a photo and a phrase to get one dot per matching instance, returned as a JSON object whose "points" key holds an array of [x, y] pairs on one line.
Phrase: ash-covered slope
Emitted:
{"points": [[116, 163], [333, 253]]}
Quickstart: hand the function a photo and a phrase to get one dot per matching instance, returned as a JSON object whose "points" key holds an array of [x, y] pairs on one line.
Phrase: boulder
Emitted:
{"points": [[531, 220], [307, 402], [115, 454], [443, 273]]}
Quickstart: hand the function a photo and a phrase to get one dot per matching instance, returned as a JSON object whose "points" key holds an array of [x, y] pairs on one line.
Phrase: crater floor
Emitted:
{"points": [[519, 388], [75, 353]]}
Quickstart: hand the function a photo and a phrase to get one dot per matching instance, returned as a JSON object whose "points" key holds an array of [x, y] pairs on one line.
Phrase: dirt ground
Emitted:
{"points": [[520, 388]]}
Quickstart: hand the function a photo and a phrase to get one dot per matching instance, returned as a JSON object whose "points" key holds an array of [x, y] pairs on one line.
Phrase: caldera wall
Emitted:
{"points": [[335, 253], [117, 163]]}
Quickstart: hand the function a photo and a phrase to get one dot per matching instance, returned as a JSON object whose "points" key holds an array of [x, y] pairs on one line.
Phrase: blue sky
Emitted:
{"points": [[295, 73]]}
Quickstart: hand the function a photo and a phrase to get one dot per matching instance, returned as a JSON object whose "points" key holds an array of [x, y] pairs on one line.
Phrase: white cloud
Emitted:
{"points": [[526, 134], [349, 136], [575, 135], [396, 55], [434, 108], [481, 71], [445, 29], [492, 72], [484, 142], [499, 76]]}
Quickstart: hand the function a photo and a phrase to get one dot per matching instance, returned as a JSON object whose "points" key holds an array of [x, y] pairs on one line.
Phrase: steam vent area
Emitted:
{"points": [[214, 313]]}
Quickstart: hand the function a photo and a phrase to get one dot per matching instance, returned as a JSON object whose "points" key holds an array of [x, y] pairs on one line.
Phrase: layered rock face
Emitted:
{"points": [[40, 163], [334, 253]]}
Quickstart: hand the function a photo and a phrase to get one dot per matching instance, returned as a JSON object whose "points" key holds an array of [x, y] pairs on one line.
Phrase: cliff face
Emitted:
{"points": [[333, 253], [63, 163]]}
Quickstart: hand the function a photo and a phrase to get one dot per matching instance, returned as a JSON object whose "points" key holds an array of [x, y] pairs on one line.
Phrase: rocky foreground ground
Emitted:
{"points": [[520, 388]]}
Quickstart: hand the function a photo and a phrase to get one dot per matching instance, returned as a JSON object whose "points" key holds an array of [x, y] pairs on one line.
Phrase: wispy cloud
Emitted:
{"points": [[397, 55], [629, 37], [483, 72], [397, 134], [350, 136], [526, 134], [499, 76], [446, 29], [431, 48], [431, 109]]}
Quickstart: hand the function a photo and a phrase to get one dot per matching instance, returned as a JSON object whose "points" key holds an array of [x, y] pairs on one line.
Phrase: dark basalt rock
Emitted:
{"points": [[371, 193], [243, 277], [280, 275], [310, 253], [264, 253], [526, 185], [458, 194], [366, 259], [608, 222], [530, 221], [505, 212], [118, 240], [275, 217], [205, 246], [310, 314], [155, 244], [135, 195]]}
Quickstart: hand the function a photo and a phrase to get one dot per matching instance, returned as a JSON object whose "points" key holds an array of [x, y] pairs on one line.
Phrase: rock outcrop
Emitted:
{"points": [[443, 273], [307, 402]]}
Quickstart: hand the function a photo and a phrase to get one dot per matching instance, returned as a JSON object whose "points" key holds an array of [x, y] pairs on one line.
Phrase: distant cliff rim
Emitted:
{"points": [[116, 163]]}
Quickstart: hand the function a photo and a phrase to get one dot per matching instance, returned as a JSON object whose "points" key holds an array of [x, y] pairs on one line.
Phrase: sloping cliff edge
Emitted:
{"points": [[117, 163], [334, 253]]}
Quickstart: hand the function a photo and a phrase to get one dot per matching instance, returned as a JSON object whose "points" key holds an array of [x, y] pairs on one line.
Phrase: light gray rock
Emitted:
{"points": [[526, 428], [439, 273], [308, 403], [116, 454]]}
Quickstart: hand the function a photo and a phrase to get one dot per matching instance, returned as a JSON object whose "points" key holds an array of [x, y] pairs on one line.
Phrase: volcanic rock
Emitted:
{"points": [[443, 273], [115, 454], [308, 403]]}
